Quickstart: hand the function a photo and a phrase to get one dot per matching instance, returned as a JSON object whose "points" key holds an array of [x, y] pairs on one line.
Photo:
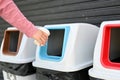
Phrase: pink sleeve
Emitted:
{"points": [[13, 16]]}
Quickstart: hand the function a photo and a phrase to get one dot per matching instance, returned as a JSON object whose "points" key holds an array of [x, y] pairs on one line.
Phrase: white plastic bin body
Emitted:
{"points": [[24, 54], [77, 48], [107, 49], [9, 76]]}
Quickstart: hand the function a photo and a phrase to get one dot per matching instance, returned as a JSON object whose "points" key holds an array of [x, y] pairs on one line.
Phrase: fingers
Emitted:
{"points": [[43, 39], [40, 38], [44, 36]]}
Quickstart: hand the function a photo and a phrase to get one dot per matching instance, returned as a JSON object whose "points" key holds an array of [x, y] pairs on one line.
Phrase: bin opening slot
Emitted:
{"points": [[114, 52], [12, 40], [55, 42]]}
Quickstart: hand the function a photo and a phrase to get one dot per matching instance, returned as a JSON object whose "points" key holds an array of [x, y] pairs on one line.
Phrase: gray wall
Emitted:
{"points": [[42, 12]]}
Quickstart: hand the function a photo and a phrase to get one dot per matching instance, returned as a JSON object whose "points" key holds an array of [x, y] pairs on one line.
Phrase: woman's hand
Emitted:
{"points": [[40, 37]]}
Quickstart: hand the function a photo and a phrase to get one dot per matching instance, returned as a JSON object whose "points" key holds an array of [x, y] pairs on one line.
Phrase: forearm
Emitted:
{"points": [[13, 16]]}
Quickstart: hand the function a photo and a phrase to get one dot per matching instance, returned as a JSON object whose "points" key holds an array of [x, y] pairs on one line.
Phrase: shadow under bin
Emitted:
{"points": [[107, 52], [16, 55], [64, 57]]}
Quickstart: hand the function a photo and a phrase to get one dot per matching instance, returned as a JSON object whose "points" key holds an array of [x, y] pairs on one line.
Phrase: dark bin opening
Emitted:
{"points": [[114, 52], [12, 40], [55, 42]]}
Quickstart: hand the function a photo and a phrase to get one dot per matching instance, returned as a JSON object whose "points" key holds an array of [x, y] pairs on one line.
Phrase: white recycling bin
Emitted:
{"points": [[16, 47], [106, 63], [17, 51], [69, 47]]}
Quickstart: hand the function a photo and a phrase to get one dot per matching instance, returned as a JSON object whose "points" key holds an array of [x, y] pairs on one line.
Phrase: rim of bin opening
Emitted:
{"points": [[105, 48], [43, 52], [6, 43]]}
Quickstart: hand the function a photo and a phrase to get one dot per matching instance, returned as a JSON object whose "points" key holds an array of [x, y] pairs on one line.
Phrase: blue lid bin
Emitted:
{"points": [[16, 55], [106, 63], [69, 47]]}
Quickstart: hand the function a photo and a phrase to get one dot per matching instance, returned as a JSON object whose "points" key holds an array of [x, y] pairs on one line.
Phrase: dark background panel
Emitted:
{"points": [[42, 12]]}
